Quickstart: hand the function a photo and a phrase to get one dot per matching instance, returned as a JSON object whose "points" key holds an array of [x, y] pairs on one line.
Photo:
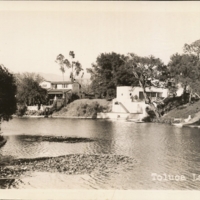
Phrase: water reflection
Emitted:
{"points": [[157, 149]]}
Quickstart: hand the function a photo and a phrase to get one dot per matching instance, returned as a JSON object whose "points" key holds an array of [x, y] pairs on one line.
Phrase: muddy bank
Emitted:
{"points": [[40, 138], [68, 164]]}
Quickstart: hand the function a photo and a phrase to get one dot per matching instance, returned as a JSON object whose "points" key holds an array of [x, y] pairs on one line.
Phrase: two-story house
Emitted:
{"points": [[61, 89]]}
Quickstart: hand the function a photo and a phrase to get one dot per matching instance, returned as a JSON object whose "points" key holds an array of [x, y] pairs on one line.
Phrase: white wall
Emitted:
{"points": [[67, 86], [124, 92], [128, 106], [45, 84]]}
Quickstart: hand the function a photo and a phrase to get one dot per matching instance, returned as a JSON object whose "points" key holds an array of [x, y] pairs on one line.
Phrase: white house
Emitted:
{"points": [[61, 89], [57, 85], [127, 92], [131, 99]]}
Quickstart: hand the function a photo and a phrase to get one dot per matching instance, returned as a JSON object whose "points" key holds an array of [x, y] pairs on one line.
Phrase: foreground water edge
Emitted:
{"points": [[153, 148]]}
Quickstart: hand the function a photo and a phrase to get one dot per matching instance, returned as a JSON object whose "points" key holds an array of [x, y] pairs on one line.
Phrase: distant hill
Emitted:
{"points": [[52, 77], [56, 77]]}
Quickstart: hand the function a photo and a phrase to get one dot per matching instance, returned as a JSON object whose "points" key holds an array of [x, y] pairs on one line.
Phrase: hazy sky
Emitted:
{"points": [[32, 34]]}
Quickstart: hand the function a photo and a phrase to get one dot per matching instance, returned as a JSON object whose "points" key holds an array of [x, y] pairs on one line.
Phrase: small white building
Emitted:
{"points": [[131, 99], [136, 93]]}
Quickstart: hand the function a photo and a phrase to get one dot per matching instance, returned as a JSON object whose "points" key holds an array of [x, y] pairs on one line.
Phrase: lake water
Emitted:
{"points": [[158, 148]]}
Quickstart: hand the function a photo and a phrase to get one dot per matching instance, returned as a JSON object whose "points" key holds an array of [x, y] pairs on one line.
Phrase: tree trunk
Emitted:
{"points": [[190, 96], [148, 100], [63, 79], [0, 126], [197, 95]]}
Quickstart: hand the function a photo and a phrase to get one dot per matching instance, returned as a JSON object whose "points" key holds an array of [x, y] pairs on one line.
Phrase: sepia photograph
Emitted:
{"points": [[99, 100]]}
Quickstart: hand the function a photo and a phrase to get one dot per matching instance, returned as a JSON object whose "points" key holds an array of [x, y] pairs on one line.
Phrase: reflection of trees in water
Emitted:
{"points": [[104, 134]]}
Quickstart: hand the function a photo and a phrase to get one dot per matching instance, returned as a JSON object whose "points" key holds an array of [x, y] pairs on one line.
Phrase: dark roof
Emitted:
{"points": [[58, 91]]}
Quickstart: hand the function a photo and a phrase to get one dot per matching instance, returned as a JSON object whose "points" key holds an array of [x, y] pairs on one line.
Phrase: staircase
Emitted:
{"points": [[123, 107]]}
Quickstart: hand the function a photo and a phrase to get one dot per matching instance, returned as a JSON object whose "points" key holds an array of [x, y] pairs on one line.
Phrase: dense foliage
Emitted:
{"points": [[7, 94], [109, 72], [112, 70], [185, 69], [29, 92]]}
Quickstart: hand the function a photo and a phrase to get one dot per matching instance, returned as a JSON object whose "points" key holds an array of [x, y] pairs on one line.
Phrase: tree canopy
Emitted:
{"points": [[28, 89], [193, 48], [146, 69], [7, 94], [185, 68], [75, 66], [109, 72]]}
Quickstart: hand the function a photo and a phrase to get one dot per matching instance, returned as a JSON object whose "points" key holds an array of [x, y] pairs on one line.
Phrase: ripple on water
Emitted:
{"points": [[157, 148]]}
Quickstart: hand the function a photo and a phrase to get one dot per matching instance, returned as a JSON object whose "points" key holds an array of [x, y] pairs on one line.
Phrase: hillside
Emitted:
{"points": [[85, 108], [184, 112]]}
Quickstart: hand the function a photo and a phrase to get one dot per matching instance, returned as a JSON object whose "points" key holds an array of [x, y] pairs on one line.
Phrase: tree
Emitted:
{"points": [[193, 48], [75, 66], [28, 89], [146, 70], [60, 60], [185, 69], [85, 85], [7, 94], [109, 72]]}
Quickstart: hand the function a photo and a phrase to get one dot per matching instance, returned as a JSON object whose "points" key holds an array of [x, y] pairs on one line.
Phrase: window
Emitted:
{"points": [[148, 94], [141, 95], [153, 94], [54, 86]]}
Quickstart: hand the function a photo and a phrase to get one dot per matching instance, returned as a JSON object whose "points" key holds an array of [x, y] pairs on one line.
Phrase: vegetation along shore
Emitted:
{"points": [[30, 95]]}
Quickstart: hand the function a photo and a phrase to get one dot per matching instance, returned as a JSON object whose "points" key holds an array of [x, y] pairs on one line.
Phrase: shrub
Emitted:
{"points": [[21, 110]]}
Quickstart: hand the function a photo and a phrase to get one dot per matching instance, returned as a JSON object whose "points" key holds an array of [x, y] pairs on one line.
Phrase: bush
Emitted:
{"points": [[85, 108], [21, 109], [7, 94], [89, 110], [74, 97], [1, 138]]}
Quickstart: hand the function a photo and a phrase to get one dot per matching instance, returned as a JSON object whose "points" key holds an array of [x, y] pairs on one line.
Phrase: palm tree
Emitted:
{"points": [[75, 66], [60, 60]]}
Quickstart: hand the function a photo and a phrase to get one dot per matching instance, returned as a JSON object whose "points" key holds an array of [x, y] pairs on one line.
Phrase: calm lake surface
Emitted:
{"points": [[158, 148]]}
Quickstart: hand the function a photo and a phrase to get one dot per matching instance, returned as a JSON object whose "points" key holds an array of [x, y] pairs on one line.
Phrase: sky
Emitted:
{"points": [[32, 34]]}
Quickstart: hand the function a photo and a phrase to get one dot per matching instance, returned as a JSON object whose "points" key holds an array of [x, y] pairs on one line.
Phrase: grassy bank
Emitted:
{"points": [[85, 108], [182, 112]]}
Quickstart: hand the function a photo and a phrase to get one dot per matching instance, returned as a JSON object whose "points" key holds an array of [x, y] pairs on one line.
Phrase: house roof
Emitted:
{"points": [[60, 82], [58, 91]]}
